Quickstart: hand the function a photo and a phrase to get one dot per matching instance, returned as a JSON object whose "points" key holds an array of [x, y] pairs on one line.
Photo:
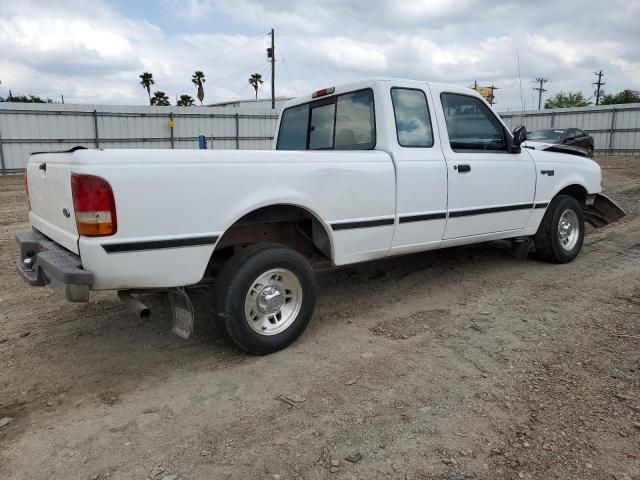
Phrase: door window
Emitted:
{"points": [[471, 125], [413, 125]]}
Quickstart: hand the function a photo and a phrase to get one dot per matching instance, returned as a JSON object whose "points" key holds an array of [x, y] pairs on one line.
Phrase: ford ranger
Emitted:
{"points": [[357, 172]]}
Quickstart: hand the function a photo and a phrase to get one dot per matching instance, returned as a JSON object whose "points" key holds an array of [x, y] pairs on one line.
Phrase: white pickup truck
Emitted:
{"points": [[358, 172]]}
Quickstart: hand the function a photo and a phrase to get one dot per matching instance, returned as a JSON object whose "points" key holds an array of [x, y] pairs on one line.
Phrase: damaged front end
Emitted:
{"points": [[599, 210]]}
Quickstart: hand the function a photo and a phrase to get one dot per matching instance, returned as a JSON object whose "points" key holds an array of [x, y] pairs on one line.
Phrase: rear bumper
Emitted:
{"points": [[44, 262]]}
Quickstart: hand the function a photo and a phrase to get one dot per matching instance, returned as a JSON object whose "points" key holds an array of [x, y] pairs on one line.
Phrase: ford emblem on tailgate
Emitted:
{"points": [[66, 212]]}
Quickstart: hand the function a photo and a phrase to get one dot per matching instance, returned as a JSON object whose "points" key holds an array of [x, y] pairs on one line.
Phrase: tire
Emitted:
{"points": [[264, 298], [558, 244], [590, 151]]}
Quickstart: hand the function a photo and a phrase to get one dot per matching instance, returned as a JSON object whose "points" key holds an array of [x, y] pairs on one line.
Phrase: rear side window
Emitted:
{"points": [[413, 126], [470, 124], [293, 128], [341, 122], [321, 127], [355, 126]]}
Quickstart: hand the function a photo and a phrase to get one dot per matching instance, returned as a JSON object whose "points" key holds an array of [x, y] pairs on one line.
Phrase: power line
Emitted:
{"points": [[236, 73], [221, 55], [248, 84], [540, 89], [286, 67]]}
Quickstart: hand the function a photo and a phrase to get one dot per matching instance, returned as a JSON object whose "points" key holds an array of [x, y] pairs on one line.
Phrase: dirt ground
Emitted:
{"points": [[463, 363]]}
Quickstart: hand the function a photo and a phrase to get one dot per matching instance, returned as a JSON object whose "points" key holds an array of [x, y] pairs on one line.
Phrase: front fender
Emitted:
{"points": [[600, 210]]}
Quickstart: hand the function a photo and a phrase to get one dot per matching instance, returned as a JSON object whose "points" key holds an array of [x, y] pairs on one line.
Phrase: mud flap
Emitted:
{"points": [[182, 312], [602, 211]]}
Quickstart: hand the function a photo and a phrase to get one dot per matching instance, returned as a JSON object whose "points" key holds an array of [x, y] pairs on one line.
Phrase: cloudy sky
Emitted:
{"points": [[92, 51]]}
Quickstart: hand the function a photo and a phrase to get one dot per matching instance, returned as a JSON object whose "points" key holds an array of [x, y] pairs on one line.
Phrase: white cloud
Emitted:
{"points": [[93, 52], [344, 52]]}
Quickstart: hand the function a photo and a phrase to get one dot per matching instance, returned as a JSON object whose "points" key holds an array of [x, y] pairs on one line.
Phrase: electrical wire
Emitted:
{"points": [[244, 70], [247, 85], [219, 56], [286, 67]]}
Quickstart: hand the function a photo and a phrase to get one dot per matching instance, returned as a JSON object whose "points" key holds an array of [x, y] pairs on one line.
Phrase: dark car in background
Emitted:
{"points": [[573, 137]]}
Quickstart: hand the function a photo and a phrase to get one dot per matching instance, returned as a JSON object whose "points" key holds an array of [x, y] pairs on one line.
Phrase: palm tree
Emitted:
{"points": [[198, 79], [146, 80], [256, 80], [160, 99], [185, 101]]}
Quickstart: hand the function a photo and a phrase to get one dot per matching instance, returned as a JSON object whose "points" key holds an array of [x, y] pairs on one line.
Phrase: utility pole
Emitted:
{"points": [[62, 97], [492, 98], [540, 89], [599, 84], [272, 54]]}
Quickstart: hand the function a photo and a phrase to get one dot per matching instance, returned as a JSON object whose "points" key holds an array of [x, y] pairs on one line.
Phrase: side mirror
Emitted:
{"points": [[519, 135]]}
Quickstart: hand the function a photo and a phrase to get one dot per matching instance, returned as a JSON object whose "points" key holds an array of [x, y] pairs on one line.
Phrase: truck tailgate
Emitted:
{"points": [[49, 184]]}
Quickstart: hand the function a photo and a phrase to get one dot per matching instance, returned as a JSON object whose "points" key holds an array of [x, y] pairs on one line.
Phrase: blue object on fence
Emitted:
{"points": [[202, 142]]}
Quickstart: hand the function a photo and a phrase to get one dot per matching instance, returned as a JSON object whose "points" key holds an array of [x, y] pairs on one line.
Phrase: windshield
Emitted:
{"points": [[545, 135]]}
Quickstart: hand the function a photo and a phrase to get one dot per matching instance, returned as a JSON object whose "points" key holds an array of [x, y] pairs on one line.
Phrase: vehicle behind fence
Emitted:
{"points": [[615, 128]]}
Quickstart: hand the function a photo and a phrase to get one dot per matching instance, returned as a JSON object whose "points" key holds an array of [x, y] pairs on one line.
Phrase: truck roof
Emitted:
{"points": [[370, 82]]}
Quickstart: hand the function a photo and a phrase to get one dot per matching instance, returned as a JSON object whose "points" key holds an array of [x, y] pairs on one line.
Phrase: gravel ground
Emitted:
{"points": [[462, 363]]}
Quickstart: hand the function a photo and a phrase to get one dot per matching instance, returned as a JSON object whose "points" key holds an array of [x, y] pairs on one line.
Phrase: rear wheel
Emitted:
{"points": [[561, 233], [264, 297]]}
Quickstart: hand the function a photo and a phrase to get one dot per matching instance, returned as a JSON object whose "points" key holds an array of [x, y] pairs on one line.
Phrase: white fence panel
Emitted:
{"points": [[614, 128], [28, 128]]}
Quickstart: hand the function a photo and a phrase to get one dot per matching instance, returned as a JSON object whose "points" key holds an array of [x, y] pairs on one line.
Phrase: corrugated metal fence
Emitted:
{"points": [[27, 128], [615, 128]]}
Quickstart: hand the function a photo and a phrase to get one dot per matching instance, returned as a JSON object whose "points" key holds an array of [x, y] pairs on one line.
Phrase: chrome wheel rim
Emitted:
{"points": [[568, 230], [273, 301]]}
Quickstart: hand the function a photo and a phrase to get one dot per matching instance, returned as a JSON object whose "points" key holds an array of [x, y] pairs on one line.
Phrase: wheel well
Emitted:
{"points": [[576, 191], [288, 225]]}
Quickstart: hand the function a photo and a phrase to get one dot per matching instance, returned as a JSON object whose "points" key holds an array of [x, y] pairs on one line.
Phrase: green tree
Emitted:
{"points": [[146, 80], [160, 99], [566, 100], [255, 80], [186, 101], [26, 99], [198, 79], [625, 96]]}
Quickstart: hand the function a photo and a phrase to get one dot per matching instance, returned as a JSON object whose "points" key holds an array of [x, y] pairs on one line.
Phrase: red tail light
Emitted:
{"points": [[26, 188], [94, 205], [323, 92]]}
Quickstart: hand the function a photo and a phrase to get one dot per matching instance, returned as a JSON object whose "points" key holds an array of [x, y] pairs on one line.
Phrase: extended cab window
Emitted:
{"points": [[321, 126], [341, 122], [470, 124], [413, 125], [293, 128]]}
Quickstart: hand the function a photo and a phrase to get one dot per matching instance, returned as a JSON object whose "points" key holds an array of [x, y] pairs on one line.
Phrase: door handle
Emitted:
{"points": [[463, 167]]}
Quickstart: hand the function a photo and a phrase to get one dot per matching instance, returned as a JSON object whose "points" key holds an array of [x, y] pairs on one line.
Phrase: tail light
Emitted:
{"points": [[323, 92], [94, 205], [26, 188]]}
